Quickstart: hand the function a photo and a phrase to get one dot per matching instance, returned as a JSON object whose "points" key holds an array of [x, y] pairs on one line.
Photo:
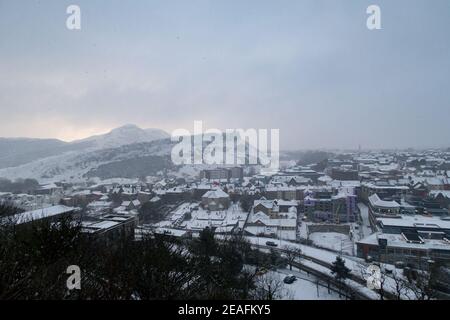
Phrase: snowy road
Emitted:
{"points": [[366, 229], [356, 265], [306, 287]]}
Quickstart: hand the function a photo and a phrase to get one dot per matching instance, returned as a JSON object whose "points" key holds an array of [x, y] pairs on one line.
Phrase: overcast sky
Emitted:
{"points": [[310, 68]]}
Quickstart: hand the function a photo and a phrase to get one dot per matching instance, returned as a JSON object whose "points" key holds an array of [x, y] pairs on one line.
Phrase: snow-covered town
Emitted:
{"points": [[221, 159], [390, 209]]}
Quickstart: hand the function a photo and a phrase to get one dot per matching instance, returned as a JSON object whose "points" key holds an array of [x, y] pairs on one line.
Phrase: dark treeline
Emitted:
{"points": [[18, 186], [34, 261], [7, 209]]}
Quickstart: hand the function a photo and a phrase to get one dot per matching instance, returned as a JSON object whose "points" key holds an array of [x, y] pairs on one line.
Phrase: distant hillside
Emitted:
{"points": [[130, 156], [77, 166], [131, 168], [126, 134], [19, 151]]}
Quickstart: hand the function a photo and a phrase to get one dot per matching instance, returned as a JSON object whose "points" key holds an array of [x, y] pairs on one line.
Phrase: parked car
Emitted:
{"points": [[290, 279], [271, 244]]}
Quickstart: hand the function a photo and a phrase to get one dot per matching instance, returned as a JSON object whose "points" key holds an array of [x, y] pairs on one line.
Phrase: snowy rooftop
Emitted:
{"points": [[155, 199], [97, 204], [377, 202], [416, 221], [398, 240], [171, 231], [264, 202], [445, 193], [98, 226], [48, 186], [345, 183], [215, 194], [29, 216], [284, 188], [290, 223], [385, 186]]}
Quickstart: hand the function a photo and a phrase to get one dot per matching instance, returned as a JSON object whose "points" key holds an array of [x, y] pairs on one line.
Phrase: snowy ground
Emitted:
{"points": [[305, 288], [302, 230], [331, 240], [321, 254], [366, 229], [355, 264]]}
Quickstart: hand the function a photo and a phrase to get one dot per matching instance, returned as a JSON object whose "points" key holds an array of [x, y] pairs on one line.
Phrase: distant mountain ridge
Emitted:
{"points": [[130, 160], [124, 152], [127, 134], [19, 151]]}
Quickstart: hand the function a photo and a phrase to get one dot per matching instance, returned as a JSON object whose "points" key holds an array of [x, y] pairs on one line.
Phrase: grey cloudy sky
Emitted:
{"points": [[310, 68]]}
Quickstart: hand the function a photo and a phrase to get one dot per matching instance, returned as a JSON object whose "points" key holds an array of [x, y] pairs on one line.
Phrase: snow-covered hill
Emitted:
{"points": [[127, 134], [77, 166], [21, 151], [125, 152]]}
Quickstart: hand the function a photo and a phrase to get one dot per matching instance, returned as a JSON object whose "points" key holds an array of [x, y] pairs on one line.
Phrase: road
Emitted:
{"points": [[318, 262], [366, 229], [321, 270]]}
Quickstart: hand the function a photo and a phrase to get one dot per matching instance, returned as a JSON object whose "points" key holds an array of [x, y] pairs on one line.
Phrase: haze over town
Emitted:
{"points": [[310, 68], [128, 170]]}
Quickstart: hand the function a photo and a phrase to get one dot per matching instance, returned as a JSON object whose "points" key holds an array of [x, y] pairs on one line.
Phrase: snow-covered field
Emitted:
{"points": [[355, 264], [304, 288], [332, 240]]}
